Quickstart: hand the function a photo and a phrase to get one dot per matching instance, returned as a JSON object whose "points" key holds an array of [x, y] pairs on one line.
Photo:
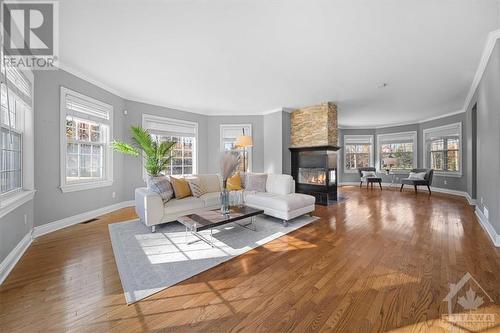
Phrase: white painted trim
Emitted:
{"points": [[471, 201], [7, 205], [460, 149], [396, 136], [487, 51], [397, 185], [75, 219], [13, 257], [85, 186], [486, 225], [275, 110]]}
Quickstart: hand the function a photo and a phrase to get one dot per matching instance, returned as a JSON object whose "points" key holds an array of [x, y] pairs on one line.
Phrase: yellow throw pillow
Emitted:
{"points": [[234, 182], [181, 187]]}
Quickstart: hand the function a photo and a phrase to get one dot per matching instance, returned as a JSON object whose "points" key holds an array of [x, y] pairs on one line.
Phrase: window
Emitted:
{"points": [[11, 131], [86, 158], [358, 152], [397, 151], [228, 135], [184, 134], [16, 139], [443, 149]]}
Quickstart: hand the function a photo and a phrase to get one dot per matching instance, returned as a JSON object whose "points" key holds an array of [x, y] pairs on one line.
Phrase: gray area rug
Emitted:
{"points": [[150, 262]]}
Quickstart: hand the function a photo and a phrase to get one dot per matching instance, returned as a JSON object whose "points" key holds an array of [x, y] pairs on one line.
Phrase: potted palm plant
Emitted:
{"points": [[157, 155]]}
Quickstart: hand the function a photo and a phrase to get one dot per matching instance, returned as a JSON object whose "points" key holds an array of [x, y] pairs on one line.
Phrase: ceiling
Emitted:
{"points": [[254, 56]]}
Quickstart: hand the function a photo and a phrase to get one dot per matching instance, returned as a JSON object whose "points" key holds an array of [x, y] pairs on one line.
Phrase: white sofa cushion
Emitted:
{"points": [[211, 182], [282, 202], [279, 184], [175, 206], [211, 199]]}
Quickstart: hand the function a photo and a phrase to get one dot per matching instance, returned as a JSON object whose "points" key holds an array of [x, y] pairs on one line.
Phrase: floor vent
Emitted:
{"points": [[91, 220]]}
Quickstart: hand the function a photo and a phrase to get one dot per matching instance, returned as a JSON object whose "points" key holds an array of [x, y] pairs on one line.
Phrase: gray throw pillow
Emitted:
{"points": [[162, 186], [255, 182]]}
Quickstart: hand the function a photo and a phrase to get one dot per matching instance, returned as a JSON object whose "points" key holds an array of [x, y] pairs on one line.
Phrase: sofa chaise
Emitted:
{"points": [[279, 200]]}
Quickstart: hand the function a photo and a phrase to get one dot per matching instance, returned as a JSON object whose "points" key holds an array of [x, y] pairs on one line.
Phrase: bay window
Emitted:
{"points": [[184, 134], [397, 151], [86, 158], [443, 148], [358, 152]]}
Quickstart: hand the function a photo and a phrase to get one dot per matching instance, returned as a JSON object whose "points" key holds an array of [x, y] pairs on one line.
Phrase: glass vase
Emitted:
{"points": [[224, 199]]}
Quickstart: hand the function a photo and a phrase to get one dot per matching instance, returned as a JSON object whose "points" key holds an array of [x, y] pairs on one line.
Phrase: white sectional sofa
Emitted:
{"points": [[279, 200]]}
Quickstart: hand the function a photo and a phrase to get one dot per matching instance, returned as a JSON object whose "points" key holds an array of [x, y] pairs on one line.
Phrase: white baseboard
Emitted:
{"points": [[75, 219], [483, 221], [433, 189], [13, 257]]}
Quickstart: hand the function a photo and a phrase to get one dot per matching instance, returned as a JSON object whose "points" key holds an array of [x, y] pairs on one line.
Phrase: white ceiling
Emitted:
{"points": [[254, 56]]}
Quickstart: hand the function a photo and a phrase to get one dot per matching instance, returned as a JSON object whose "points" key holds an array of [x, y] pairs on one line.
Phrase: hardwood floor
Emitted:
{"points": [[378, 261]]}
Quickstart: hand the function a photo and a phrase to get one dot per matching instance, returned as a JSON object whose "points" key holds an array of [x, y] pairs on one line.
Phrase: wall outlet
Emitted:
{"points": [[481, 200], [113, 195], [125, 112], [25, 219], [486, 212], [445, 182]]}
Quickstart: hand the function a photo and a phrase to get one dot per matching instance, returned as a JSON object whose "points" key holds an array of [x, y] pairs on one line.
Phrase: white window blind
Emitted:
{"points": [[86, 107], [184, 134]]}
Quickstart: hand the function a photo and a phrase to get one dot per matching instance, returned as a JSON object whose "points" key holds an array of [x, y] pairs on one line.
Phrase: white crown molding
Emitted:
{"points": [[488, 228], [488, 49], [449, 114], [75, 219], [490, 44], [13, 257]]}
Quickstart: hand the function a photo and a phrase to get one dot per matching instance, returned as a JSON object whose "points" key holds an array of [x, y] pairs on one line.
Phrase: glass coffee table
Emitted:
{"points": [[210, 219]]}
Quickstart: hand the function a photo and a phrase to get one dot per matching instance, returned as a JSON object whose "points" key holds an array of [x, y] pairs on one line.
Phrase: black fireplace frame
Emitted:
{"points": [[323, 193]]}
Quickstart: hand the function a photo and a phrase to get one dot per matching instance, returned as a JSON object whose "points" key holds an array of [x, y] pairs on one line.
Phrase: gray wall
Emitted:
{"points": [[286, 130], [452, 183], [213, 140], [273, 142], [13, 229], [487, 180], [133, 166], [50, 203]]}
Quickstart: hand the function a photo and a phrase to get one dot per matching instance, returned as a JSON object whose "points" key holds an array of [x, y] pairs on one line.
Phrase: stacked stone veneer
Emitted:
{"points": [[315, 126]]}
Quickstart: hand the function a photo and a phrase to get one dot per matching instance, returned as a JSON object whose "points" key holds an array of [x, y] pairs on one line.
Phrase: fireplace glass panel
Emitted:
{"points": [[312, 176]]}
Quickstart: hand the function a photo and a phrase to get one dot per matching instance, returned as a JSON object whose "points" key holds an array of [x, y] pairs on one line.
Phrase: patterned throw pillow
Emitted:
{"points": [[256, 182], [197, 187], [162, 186], [181, 187]]}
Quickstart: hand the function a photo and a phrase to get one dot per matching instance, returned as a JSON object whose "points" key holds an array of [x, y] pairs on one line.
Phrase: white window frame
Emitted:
{"points": [[353, 139], [426, 161], [108, 152], [163, 124], [224, 128], [14, 199], [403, 136]]}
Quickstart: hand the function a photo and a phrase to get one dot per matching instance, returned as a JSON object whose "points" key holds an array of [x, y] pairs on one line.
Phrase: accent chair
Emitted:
{"points": [[427, 181]]}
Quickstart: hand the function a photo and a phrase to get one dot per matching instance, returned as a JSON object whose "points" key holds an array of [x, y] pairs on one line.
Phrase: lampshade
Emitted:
{"points": [[244, 141]]}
